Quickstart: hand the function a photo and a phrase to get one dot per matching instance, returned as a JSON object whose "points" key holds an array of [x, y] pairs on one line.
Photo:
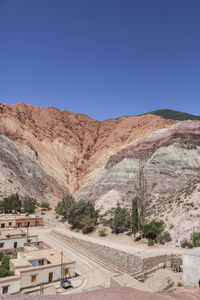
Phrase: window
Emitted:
{"points": [[2, 225], [10, 223], [1, 245], [50, 276], [41, 262], [33, 278], [15, 245], [67, 271], [5, 289]]}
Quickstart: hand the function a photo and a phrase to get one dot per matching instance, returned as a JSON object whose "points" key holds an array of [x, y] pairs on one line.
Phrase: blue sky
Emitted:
{"points": [[104, 58]]}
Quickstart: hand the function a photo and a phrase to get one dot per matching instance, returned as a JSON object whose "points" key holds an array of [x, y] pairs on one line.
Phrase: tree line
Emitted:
{"points": [[14, 204]]}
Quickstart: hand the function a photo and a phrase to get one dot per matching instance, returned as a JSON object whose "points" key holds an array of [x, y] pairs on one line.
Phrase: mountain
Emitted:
{"points": [[46, 152], [170, 157], [174, 115]]}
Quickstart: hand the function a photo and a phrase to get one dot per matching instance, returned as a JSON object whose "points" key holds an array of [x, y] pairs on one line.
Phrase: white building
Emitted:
{"points": [[191, 265], [38, 264], [14, 239]]}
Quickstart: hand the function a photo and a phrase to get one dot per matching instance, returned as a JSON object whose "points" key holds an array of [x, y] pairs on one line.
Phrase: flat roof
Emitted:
{"points": [[11, 217], [193, 251], [52, 255], [9, 233]]}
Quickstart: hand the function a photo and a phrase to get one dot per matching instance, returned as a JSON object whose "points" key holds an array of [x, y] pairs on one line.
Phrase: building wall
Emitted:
{"points": [[20, 222], [24, 222], [8, 243], [191, 268], [13, 283], [42, 275], [7, 223]]}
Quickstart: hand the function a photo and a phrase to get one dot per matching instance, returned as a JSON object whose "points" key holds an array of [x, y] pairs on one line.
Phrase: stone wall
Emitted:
{"points": [[128, 263]]}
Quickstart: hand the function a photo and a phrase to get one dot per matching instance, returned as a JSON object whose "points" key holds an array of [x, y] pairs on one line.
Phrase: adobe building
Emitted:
{"points": [[12, 240], [38, 264], [9, 220]]}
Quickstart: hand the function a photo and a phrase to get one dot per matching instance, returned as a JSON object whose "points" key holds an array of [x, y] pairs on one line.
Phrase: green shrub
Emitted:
{"points": [[102, 231], [150, 242], [119, 222], [1, 255], [45, 205], [59, 210], [4, 267], [165, 238], [195, 238], [153, 229]]}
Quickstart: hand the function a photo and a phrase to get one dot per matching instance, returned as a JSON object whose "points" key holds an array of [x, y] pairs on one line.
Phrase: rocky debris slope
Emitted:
{"points": [[46, 152], [171, 157], [181, 210]]}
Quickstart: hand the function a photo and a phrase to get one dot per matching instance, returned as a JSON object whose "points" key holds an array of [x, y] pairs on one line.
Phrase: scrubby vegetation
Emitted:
{"points": [[102, 231], [121, 220], [195, 238], [16, 204], [4, 267], [193, 242], [154, 232], [29, 205], [186, 244], [45, 205], [11, 204]]}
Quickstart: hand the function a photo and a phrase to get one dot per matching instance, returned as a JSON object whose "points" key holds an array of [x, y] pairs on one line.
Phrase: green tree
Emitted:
{"points": [[29, 205], [66, 206], [81, 215], [134, 216], [88, 224], [142, 198], [45, 205], [119, 219], [81, 209], [11, 203], [153, 229], [4, 267]]}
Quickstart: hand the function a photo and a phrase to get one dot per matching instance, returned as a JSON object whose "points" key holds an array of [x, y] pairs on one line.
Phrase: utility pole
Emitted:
{"points": [[61, 265], [27, 233]]}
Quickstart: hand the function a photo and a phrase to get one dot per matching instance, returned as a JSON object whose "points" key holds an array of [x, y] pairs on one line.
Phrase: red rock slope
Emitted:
{"points": [[46, 151]]}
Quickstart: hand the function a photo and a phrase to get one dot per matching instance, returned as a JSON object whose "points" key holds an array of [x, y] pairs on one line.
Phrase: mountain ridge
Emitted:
{"points": [[68, 147]]}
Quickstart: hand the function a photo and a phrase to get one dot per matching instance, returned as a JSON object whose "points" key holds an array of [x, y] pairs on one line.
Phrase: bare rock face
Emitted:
{"points": [[171, 157], [46, 152]]}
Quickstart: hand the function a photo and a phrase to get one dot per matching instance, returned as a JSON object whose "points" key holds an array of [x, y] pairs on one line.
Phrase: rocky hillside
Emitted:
{"points": [[171, 157], [46, 152], [181, 209]]}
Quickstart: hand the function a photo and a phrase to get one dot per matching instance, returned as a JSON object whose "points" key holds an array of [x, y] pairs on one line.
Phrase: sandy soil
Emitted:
{"points": [[159, 280]]}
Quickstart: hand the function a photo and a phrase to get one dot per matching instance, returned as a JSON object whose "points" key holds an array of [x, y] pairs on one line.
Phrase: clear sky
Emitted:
{"points": [[105, 58]]}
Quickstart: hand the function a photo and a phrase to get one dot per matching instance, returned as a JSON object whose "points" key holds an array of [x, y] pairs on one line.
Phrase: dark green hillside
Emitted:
{"points": [[174, 115]]}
